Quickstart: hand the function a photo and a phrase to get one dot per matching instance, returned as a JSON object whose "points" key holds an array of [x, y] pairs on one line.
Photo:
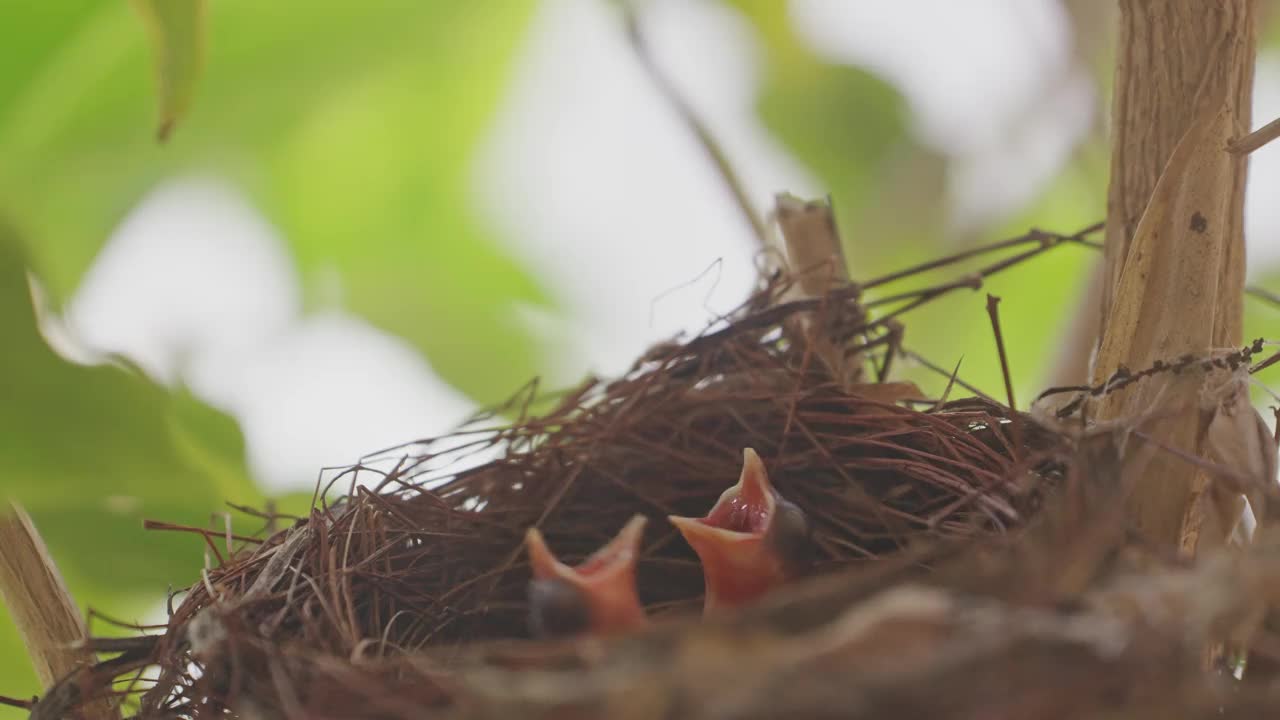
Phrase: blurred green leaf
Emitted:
{"points": [[843, 123], [176, 28], [379, 222], [32, 45], [18, 679], [113, 563], [91, 451], [73, 435], [851, 129]]}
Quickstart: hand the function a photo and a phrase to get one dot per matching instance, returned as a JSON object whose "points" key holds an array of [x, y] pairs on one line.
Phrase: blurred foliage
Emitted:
{"points": [[352, 127], [852, 129], [91, 451], [298, 105], [177, 32]]}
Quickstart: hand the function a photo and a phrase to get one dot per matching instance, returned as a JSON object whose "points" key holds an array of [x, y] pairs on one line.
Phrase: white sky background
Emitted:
{"points": [[587, 162]]}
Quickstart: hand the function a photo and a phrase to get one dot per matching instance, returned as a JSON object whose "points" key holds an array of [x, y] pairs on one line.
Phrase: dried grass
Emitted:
{"points": [[932, 594]]}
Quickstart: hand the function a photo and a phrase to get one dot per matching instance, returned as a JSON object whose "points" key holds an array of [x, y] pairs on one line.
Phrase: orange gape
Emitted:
{"points": [[597, 597], [750, 542]]}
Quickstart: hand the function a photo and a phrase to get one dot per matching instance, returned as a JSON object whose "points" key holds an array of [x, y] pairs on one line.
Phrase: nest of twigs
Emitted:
{"points": [[933, 593]]}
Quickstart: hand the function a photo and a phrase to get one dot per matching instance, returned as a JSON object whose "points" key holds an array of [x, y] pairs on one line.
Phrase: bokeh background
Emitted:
{"points": [[379, 216]]}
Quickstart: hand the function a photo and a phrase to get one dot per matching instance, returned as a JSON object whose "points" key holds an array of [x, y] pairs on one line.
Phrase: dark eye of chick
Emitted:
{"points": [[556, 609]]}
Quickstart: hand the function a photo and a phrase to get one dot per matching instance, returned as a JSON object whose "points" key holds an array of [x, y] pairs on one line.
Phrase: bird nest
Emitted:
{"points": [[964, 559]]}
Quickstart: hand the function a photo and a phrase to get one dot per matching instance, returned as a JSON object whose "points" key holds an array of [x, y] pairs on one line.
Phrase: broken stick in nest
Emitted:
{"points": [[429, 558]]}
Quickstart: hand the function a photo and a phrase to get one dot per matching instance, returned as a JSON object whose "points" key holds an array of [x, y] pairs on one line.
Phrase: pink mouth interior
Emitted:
{"points": [[593, 566], [606, 560], [739, 515]]}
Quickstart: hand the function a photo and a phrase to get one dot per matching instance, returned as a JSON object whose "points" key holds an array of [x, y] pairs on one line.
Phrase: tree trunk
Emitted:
{"points": [[1163, 51], [1174, 59]]}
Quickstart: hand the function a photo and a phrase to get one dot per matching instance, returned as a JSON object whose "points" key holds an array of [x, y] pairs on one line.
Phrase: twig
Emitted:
{"points": [[15, 702], [208, 535], [700, 131], [41, 607], [1263, 365], [1034, 236], [1248, 143], [1262, 294], [952, 377], [993, 310], [1123, 376]]}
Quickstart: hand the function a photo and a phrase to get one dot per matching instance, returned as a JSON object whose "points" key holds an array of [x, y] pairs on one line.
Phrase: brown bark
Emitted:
{"points": [[1180, 63], [1164, 49]]}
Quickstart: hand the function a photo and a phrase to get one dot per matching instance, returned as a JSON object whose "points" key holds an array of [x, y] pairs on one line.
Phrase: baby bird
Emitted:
{"points": [[598, 597], [752, 541]]}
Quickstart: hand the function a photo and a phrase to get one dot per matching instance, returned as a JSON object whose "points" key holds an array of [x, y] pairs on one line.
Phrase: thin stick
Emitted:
{"points": [[973, 281], [700, 131], [1272, 360], [993, 310], [1034, 236], [14, 702], [951, 383], [208, 535], [1262, 294], [41, 607], [1256, 139], [953, 377]]}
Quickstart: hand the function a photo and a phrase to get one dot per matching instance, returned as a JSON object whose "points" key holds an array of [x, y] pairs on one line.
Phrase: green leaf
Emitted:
{"points": [[176, 29], [91, 451], [409, 259], [352, 127], [72, 435]]}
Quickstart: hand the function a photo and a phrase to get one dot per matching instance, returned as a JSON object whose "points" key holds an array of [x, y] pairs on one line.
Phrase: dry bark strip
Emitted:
{"points": [[42, 609], [815, 259]]}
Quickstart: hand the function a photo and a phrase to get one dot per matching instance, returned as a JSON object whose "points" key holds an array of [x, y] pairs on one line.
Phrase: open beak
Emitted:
{"points": [[597, 597], [751, 541]]}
